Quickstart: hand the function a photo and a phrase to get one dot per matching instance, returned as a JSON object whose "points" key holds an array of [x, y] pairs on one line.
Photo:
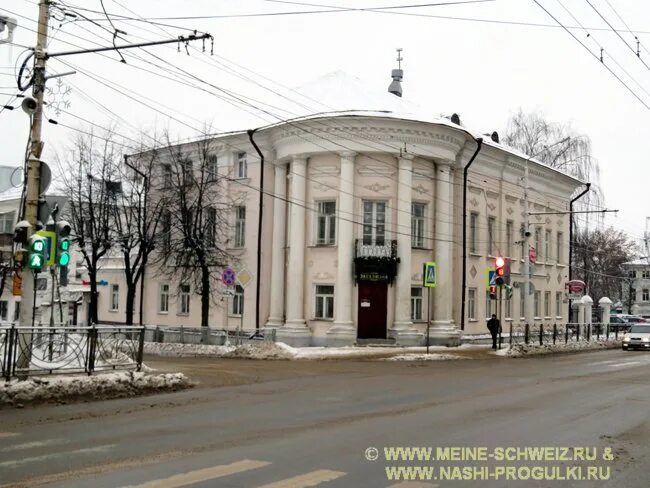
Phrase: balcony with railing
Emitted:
{"points": [[375, 262]]}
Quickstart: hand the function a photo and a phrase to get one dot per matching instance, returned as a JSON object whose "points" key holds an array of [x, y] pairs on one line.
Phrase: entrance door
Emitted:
{"points": [[372, 310]]}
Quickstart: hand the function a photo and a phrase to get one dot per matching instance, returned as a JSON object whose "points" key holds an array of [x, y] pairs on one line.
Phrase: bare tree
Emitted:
{"points": [[195, 224], [136, 218], [91, 177], [532, 134], [599, 256]]}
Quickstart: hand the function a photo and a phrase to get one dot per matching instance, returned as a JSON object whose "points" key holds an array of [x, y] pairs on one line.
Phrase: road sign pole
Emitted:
{"points": [[428, 315]]}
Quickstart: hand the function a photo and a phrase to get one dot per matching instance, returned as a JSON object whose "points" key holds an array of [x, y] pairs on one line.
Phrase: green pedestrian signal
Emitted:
{"points": [[36, 259]]}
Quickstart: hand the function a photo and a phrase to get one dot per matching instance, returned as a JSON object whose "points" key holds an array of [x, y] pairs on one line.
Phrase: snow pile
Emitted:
{"points": [[100, 386], [175, 349], [424, 357], [520, 350]]}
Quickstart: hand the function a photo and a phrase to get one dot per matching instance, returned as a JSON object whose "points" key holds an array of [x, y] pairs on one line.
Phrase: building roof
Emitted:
{"points": [[642, 261]]}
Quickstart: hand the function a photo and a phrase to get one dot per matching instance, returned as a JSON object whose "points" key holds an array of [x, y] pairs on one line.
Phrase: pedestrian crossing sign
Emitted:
{"points": [[429, 275]]}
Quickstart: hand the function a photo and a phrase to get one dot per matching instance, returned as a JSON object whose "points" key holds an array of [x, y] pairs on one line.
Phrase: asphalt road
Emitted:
{"points": [[299, 424]]}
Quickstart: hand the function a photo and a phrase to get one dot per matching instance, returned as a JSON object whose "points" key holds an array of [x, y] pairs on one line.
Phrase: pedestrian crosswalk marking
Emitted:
{"points": [[205, 474], [308, 479]]}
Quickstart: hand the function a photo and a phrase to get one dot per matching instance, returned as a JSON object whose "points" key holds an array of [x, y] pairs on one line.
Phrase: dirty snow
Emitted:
{"points": [[279, 350], [100, 386], [520, 350], [424, 357]]}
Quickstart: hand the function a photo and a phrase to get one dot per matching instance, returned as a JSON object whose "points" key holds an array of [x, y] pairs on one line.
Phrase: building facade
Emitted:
{"points": [[354, 204], [636, 289]]}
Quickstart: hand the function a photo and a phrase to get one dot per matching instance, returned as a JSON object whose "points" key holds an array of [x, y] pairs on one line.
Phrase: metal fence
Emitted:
{"points": [[206, 335], [560, 333], [31, 351]]}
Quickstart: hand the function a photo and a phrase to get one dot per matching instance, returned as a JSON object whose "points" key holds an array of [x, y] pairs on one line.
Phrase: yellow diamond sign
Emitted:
{"points": [[244, 278]]}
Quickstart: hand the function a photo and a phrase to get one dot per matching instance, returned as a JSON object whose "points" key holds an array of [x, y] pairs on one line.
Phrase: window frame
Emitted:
{"points": [[7, 222], [547, 304], [537, 298], [184, 299], [166, 298], [473, 232], [241, 163], [237, 303], [417, 304], [325, 301], [114, 303], [548, 236], [212, 167], [491, 224], [240, 227], [560, 247], [510, 225], [328, 221], [558, 304], [471, 304], [373, 224], [4, 310], [418, 225], [645, 295]]}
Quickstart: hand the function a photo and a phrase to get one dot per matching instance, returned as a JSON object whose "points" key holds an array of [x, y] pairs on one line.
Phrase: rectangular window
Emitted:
{"points": [[645, 274], [509, 237], [488, 304], [115, 298], [374, 223], [633, 294], [187, 169], [490, 244], [211, 167], [324, 302], [547, 304], [238, 301], [646, 295], [210, 227], [184, 300], [4, 310], [7, 222], [242, 165], [166, 228], [163, 298], [547, 245], [473, 233], [417, 225], [326, 226], [632, 273], [240, 226], [471, 304], [167, 175], [538, 243], [536, 305], [416, 303], [558, 303], [17, 312], [560, 247]]}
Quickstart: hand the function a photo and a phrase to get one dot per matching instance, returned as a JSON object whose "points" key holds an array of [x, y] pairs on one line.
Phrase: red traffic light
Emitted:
{"points": [[499, 262]]}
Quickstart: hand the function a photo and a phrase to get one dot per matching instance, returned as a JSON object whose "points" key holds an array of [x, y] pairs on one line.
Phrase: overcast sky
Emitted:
{"points": [[485, 71]]}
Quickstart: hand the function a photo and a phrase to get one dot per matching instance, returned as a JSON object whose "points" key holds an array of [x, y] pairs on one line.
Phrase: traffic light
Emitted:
{"points": [[493, 292], [499, 266], [63, 243], [36, 259], [508, 292]]}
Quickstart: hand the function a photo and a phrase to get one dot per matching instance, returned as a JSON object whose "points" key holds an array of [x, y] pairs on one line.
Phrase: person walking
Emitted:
{"points": [[494, 326]]}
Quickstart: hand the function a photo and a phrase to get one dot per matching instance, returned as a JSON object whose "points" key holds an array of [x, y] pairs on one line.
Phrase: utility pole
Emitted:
{"points": [[28, 292]]}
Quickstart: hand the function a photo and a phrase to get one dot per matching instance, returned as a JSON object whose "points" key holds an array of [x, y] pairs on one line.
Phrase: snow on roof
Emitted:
{"points": [[642, 261]]}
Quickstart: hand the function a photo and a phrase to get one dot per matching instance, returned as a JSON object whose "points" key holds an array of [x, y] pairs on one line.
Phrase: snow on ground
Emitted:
{"points": [[279, 350], [424, 357], [521, 350], [100, 386]]}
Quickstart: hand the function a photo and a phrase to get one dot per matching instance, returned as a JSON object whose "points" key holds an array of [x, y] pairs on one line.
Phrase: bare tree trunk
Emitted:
{"points": [[130, 301]]}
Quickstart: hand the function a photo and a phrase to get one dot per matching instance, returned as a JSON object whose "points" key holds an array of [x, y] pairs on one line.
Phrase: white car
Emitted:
{"points": [[638, 337]]}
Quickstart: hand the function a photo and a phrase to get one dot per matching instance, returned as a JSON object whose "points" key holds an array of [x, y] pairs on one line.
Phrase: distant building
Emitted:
{"points": [[636, 290], [358, 199]]}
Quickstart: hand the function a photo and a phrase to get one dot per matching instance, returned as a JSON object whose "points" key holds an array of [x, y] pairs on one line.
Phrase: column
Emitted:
{"points": [[276, 312], [343, 332], [443, 330], [295, 331], [402, 329], [605, 307]]}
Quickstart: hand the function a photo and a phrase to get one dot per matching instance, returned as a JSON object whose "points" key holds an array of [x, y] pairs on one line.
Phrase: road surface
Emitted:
{"points": [[327, 423]]}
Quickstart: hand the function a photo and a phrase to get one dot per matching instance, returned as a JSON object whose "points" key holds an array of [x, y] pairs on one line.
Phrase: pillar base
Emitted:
{"points": [[444, 333], [293, 336], [341, 334], [274, 322], [405, 334]]}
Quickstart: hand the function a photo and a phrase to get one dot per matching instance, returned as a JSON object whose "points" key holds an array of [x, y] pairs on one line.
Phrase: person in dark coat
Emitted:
{"points": [[494, 326]]}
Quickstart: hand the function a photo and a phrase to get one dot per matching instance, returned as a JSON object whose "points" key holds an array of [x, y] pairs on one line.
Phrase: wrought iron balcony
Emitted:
{"points": [[388, 250]]}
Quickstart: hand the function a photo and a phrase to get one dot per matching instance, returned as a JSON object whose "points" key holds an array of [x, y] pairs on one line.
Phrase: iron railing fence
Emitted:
{"points": [[32, 351], [207, 335], [559, 333]]}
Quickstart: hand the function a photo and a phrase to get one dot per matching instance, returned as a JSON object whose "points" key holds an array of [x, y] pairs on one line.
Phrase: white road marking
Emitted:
{"points": [[627, 363], [200, 475], [18, 462], [308, 479], [8, 434], [33, 445]]}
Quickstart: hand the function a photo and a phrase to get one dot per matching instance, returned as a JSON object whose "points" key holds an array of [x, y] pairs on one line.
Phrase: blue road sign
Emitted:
{"points": [[429, 275], [228, 277]]}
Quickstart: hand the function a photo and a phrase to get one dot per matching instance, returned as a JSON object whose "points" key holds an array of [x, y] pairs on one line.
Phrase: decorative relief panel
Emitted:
{"points": [[376, 187], [420, 189], [369, 170], [474, 202], [473, 272], [509, 210], [324, 170], [491, 206], [322, 276]]}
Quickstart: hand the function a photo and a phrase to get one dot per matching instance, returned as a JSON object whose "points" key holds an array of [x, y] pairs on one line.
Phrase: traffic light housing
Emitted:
{"points": [[493, 292], [63, 243], [499, 266], [36, 259]]}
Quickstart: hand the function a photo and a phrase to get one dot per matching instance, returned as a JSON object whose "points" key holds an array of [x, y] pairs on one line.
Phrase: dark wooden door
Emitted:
{"points": [[372, 310]]}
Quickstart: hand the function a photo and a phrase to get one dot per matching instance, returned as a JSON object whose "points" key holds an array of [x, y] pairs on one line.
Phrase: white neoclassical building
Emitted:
{"points": [[356, 201]]}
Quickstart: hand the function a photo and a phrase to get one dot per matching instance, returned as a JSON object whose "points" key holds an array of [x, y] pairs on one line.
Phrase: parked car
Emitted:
{"points": [[635, 319], [637, 338], [616, 322]]}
